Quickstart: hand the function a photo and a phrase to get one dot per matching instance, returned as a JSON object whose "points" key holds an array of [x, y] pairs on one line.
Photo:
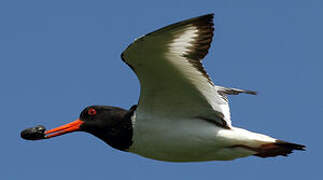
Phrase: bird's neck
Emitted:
{"points": [[120, 135]]}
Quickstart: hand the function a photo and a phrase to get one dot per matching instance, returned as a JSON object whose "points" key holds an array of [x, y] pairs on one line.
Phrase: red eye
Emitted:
{"points": [[91, 112]]}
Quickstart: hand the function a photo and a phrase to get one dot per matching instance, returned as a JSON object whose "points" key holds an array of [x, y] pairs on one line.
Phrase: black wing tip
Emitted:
{"points": [[207, 17], [204, 24], [203, 41], [251, 92], [291, 146], [204, 20]]}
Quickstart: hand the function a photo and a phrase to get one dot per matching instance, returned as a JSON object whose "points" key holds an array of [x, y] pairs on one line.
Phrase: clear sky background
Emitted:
{"points": [[58, 57]]}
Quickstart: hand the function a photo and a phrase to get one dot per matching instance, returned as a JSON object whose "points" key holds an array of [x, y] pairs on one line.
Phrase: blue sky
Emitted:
{"points": [[57, 57]]}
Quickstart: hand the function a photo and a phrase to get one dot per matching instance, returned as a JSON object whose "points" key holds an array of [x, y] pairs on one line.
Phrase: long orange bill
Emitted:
{"points": [[67, 128]]}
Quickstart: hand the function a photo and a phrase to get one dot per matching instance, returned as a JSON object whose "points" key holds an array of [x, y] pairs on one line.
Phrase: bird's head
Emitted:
{"points": [[111, 124], [93, 119]]}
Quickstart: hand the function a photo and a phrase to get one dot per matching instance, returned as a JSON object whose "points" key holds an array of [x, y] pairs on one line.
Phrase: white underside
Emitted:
{"points": [[192, 140]]}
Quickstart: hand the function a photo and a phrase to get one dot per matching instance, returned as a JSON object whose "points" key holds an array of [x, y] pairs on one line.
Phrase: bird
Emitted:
{"points": [[181, 115]]}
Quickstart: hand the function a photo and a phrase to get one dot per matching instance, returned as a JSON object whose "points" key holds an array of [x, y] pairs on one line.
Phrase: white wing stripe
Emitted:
{"points": [[181, 44]]}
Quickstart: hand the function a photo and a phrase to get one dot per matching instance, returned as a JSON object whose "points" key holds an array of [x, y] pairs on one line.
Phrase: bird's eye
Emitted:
{"points": [[91, 112]]}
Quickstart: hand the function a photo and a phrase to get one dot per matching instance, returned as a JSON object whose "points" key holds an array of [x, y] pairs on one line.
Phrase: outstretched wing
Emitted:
{"points": [[173, 80]]}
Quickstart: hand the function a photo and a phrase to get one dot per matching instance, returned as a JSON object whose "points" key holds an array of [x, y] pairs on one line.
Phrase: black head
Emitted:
{"points": [[110, 124], [98, 118]]}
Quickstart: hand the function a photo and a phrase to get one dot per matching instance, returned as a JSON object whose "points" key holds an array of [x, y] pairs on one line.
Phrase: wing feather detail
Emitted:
{"points": [[173, 80]]}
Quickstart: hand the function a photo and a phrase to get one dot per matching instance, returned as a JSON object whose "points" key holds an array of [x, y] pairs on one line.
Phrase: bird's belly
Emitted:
{"points": [[180, 141]]}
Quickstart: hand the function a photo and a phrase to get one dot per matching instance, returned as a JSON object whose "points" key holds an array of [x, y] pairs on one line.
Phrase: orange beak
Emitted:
{"points": [[67, 128]]}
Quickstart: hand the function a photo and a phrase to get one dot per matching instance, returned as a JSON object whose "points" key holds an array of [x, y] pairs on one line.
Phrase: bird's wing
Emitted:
{"points": [[173, 80]]}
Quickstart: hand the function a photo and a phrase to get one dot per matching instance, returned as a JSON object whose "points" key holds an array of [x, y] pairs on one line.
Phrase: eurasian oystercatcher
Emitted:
{"points": [[181, 115]]}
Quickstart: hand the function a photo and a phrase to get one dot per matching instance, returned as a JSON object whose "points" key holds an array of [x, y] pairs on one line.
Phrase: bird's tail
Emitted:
{"points": [[277, 148], [261, 145]]}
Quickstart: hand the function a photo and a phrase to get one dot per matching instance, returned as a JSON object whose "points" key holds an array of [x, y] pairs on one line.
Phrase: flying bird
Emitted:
{"points": [[181, 116]]}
